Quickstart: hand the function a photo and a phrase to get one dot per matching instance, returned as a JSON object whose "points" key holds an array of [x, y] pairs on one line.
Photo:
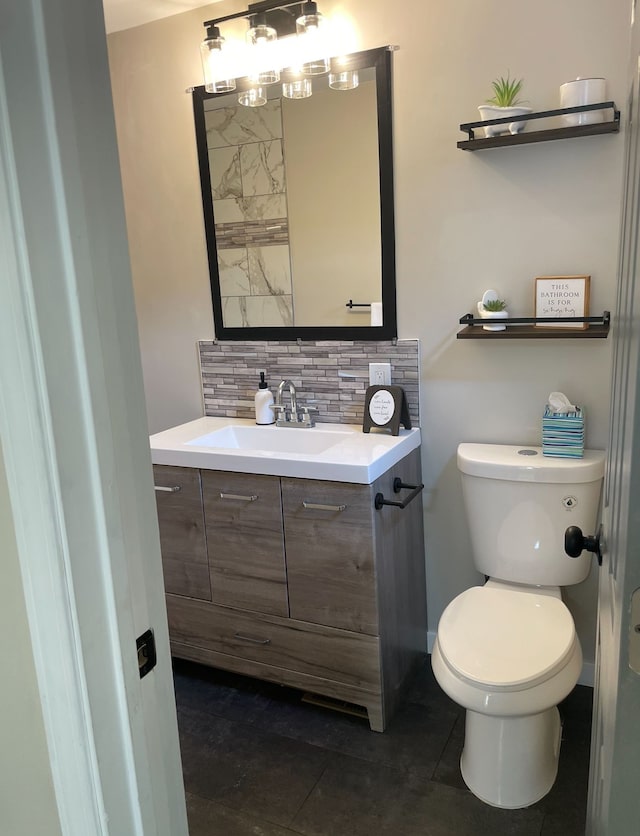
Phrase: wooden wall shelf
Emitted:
{"points": [[524, 328], [474, 143]]}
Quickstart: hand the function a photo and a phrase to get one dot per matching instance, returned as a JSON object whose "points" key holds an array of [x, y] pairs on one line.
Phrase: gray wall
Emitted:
{"points": [[465, 222]]}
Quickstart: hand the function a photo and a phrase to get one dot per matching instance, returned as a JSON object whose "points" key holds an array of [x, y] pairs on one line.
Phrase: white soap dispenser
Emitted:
{"points": [[263, 402]]}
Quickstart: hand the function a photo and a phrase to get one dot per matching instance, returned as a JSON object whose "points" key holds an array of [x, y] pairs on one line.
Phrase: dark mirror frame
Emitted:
{"points": [[380, 59]]}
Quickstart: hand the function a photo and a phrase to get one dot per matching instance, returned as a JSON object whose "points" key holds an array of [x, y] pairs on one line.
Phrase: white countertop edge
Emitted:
{"points": [[171, 447]]}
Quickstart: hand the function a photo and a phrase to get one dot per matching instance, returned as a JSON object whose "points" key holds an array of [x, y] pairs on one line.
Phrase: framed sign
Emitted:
{"points": [[385, 408], [562, 296]]}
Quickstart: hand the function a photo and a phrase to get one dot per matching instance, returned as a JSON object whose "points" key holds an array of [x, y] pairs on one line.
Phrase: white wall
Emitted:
{"points": [[27, 799], [464, 222], [333, 197]]}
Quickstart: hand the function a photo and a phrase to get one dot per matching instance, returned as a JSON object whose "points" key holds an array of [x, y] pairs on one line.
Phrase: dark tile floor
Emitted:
{"points": [[259, 762]]}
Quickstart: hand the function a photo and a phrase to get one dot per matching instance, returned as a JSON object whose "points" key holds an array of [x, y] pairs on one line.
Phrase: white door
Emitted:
{"points": [[614, 784], [73, 430]]}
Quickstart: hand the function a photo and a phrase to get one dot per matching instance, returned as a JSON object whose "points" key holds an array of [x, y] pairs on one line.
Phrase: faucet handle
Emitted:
{"points": [[306, 416]]}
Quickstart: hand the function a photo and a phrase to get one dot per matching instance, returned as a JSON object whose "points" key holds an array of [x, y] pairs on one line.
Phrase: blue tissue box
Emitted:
{"points": [[563, 433]]}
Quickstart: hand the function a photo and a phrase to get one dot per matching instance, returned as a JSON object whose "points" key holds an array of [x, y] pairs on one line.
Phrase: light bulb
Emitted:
{"points": [[211, 54], [310, 26]]}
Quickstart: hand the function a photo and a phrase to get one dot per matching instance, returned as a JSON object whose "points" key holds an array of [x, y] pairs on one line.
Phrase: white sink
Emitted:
{"points": [[332, 452], [307, 441]]}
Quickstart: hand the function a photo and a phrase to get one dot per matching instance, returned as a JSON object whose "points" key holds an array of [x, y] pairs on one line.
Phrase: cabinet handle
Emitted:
{"points": [[317, 507], [251, 639], [251, 498], [174, 489]]}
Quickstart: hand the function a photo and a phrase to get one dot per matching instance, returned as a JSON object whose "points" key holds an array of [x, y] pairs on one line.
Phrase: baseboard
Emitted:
{"points": [[587, 675]]}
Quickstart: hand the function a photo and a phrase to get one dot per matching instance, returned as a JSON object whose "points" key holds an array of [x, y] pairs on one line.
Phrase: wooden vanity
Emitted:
{"points": [[297, 581]]}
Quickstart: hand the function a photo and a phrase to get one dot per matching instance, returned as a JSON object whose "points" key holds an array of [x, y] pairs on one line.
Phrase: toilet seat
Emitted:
{"points": [[506, 639]]}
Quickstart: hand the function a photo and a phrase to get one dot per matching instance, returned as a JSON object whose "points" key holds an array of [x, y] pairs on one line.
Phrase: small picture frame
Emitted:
{"points": [[562, 296], [385, 408]]}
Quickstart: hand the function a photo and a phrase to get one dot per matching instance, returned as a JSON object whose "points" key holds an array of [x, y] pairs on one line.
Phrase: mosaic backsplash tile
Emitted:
{"points": [[332, 376]]}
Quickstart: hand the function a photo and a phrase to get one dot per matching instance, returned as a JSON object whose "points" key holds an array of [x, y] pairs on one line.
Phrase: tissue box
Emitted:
{"points": [[563, 433]]}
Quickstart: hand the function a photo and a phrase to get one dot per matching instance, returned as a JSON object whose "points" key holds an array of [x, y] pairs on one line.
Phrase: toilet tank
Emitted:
{"points": [[518, 505]]}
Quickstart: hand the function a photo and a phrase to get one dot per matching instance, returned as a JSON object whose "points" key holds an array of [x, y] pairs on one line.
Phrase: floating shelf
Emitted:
{"points": [[524, 328], [474, 143]]}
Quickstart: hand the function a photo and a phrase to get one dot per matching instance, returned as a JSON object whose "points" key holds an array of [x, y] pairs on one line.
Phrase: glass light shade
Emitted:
{"points": [[262, 38], [311, 27], [253, 97], [210, 52], [298, 89], [347, 80]]}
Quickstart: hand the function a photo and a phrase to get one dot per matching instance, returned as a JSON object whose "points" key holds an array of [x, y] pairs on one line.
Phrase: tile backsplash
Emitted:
{"points": [[330, 375]]}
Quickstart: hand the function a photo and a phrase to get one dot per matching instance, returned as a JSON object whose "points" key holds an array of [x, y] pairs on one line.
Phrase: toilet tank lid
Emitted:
{"points": [[526, 463]]}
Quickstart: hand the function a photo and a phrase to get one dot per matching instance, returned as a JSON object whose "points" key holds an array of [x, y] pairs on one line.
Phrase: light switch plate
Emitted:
{"points": [[379, 374]]}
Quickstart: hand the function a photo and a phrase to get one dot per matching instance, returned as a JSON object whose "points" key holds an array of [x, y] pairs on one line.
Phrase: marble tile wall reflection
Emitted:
{"points": [[246, 161]]}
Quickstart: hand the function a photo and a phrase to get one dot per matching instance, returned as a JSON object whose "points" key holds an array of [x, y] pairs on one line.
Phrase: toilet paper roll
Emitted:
{"points": [[583, 91], [376, 313]]}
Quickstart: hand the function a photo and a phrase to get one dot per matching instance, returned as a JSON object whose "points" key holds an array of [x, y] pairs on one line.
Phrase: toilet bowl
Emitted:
{"points": [[508, 654], [507, 651]]}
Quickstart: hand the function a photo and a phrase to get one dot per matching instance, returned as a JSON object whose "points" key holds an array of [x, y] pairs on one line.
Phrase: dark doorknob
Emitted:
{"points": [[575, 543]]}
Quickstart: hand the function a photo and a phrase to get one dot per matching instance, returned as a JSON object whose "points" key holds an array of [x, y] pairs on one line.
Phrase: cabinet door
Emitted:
{"points": [[330, 553], [182, 534], [243, 517]]}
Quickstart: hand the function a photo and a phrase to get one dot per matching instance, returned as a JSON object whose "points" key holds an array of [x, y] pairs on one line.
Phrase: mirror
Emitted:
{"points": [[298, 208]]}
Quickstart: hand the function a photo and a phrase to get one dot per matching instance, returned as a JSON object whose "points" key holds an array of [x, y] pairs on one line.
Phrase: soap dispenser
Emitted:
{"points": [[264, 402]]}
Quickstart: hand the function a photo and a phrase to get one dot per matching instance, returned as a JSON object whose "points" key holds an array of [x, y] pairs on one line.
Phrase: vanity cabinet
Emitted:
{"points": [[243, 520], [329, 529], [310, 586], [185, 561]]}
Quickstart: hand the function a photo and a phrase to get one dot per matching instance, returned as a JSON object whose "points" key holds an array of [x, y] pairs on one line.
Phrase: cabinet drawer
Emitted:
{"points": [[330, 553], [243, 519], [182, 534], [337, 655]]}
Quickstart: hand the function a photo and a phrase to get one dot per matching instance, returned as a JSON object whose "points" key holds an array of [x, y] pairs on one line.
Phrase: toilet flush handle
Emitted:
{"points": [[575, 543]]}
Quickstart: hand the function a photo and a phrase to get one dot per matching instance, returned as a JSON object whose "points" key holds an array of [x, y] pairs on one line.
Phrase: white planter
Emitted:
{"points": [[583, 91], [492, 315], [493, 112]]}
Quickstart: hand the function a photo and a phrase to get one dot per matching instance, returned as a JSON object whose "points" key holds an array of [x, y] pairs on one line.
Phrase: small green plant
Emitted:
{"points": [[495, 305], [505, 92]]}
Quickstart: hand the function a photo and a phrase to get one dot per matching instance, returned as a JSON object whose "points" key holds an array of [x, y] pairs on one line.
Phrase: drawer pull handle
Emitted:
{"points": [[174, 489], [251, 639], [251, 498], [315, 506]]}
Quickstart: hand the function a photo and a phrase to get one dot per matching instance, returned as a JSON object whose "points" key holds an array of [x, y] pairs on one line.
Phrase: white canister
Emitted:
{"points": [[583, 91]]}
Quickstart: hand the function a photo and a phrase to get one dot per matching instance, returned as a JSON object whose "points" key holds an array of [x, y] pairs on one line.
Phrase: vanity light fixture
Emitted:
{"points": [[260, 36], [346, 80], [298, 88], [310, 24], [269, 50], [210, 50], [253, 97]]}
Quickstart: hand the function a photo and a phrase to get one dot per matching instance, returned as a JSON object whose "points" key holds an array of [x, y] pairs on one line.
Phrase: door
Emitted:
{"points": [[73, 432], [614, 801]]}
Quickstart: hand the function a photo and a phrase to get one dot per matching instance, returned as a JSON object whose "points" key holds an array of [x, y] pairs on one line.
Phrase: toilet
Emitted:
{"points": [[508, 651]]}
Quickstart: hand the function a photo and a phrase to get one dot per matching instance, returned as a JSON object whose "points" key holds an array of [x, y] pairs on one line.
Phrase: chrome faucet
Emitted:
{"points": [[296, 417]]}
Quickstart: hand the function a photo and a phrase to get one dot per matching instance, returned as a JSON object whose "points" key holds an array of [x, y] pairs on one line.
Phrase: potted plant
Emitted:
{"points": [[504, 103], [491, 306]]}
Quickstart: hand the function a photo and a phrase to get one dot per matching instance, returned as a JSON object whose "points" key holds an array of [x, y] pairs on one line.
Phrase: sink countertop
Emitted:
{"points": [[355, 457]]}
